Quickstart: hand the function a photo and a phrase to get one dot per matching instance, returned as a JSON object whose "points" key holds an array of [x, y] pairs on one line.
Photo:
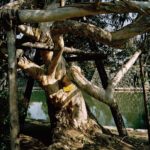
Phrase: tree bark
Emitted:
{"points": [[102, 73], [13, 108], [86, 86], [114, 107], [80, 10], [120, 74], [118, 120], [66, 106], [113, 39]]}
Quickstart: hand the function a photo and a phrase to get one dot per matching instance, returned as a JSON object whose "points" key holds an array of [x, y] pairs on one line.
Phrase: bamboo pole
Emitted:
{"points": [[14, 121]]}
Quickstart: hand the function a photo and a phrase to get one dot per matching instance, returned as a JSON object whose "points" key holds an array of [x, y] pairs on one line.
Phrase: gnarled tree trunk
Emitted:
{"points": [[66, 106], [70, 124]]}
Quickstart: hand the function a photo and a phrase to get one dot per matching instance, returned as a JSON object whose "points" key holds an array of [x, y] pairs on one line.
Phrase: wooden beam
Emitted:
{"points": [[79, 10]]}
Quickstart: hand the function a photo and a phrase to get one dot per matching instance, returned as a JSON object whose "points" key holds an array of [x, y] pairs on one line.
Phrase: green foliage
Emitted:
{"points": [[4, 121], [3, 2], [4, 108], [88, 68]]}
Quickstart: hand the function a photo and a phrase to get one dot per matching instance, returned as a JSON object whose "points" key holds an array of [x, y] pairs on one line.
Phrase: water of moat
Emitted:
{"points": [[130, 104]]}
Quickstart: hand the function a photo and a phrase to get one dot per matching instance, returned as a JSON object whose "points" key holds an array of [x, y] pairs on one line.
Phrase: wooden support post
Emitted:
{"points": [[145, 98], [118, 120], [114, 108], [13, 108], [28, 90]]}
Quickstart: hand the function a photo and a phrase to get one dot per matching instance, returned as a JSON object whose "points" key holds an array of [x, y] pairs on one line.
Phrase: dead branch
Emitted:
{"points": [[114, 39], [35, 33], [80, 54], [58, 50], [82, 29], [32, 69], [131, 4], [86, 86], [79, 10], [37, 45], [120, 74], [139, 26]]}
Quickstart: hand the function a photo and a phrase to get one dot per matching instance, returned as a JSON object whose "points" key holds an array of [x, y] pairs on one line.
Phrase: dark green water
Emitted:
{"points": [[130, 104]]}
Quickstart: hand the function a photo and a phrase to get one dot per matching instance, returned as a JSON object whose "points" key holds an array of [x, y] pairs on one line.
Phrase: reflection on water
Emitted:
{"points": [[35, 111], [130, 104]]}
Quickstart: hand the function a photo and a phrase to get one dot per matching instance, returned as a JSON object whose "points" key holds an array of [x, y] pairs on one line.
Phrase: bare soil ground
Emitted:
{"points": [[36, 136]]}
